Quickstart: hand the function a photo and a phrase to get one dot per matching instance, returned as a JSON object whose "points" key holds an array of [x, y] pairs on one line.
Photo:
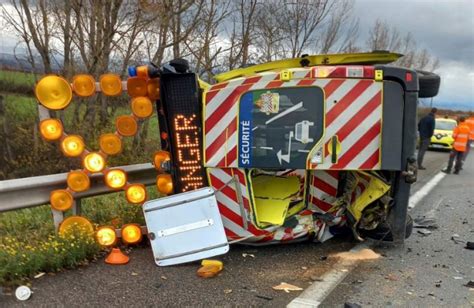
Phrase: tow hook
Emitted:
{"points": [[411, 172]]}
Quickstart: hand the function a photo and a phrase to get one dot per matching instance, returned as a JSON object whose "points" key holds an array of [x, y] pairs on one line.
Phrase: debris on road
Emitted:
{"points": [[39, 275], [425, 223], [316, 278], [227, 291], [470, 284], [268, 298], [134, 274], [245, 255], [458, 278], [286, 287], [392, 277], [470, 245], [23, 293], [361, 255], [164, 277], [455, 238], [210, 268], [424, 232]]}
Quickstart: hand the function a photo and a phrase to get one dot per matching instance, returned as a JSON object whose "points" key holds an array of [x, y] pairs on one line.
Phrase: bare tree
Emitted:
{"points": [[300, 21], [243, 32], [269, 31], [339, 16], [206, 46]]}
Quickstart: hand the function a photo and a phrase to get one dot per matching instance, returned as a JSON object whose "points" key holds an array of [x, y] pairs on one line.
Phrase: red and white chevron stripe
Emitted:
{"points": [[322, 190], [353, 113], [227, 200]]}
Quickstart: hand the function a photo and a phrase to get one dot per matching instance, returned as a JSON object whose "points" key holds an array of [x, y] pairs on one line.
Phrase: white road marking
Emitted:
{"points": [[425, 190], [315, 294], [319, 290]]}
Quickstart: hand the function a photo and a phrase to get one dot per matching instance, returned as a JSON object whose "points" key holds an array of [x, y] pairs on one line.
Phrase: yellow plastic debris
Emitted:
{"points": [[210, 268]]}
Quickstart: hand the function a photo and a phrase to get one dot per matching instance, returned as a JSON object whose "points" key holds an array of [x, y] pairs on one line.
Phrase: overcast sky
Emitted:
{"points": [[444, 27]]}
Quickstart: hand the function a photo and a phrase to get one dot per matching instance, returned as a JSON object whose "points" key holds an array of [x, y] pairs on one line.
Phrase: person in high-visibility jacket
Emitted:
{"points": [[461, 137], [470, 123]]}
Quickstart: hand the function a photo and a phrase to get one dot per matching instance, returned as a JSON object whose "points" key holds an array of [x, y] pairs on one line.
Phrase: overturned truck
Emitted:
{"points": [[297, 149]]}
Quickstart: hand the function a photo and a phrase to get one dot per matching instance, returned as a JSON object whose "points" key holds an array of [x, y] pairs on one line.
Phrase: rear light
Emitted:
{"points": [[78, 181], [126, 125], [164, 183], [53, 92], [408, 76], [347, 71], [142, 107], [137, 86], [111, 84], [51, 129], [110, 144], [115, 178], [61, 200], [135, 193], [94, 162], [83, 85], [72, 145]]}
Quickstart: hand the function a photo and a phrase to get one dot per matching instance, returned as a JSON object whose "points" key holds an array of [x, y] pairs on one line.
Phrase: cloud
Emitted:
{"points": [[445, 28], [457, 83]]}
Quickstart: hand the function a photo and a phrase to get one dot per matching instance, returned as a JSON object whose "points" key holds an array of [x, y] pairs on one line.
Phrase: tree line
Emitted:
{"points": [[95, 37]]}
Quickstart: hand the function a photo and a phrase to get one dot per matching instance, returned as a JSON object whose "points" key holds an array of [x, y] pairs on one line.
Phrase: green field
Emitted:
{"points": [[18, 78]]}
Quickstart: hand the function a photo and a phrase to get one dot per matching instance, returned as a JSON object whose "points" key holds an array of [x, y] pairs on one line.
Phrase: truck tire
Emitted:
{"points": [[383, 232], [428, 83]]}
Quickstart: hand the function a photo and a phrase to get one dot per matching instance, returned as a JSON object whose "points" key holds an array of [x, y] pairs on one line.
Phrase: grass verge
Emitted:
{"points": [[29, 245]]}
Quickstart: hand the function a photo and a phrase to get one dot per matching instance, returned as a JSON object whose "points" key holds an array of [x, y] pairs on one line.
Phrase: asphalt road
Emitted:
{"points": [[248, 281], [431, 270]]}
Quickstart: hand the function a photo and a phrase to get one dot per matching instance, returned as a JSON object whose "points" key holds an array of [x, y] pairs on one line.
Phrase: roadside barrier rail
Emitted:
{"points": [[34, 191]]}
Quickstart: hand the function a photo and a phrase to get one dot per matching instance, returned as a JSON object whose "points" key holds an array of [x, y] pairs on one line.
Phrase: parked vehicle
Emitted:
{"points": [[442, 138]]}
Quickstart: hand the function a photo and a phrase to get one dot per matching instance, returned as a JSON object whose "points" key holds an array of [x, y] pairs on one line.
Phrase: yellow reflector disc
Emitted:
{"points": [[105, 236], [72, 145], [142, 107], [94, 162], [136, 86], [131, 234], [78, 222], [53, 92], [83, 85], [111, 84], [116, 178], [164, 184], [153, 87], [61, 199], [126, 125], [51, 129], [160, 157], [110, 144], [135, 193], [78, 181]]}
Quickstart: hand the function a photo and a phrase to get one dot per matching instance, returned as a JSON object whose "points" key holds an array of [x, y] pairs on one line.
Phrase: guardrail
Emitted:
{"points": [[34, 191]]}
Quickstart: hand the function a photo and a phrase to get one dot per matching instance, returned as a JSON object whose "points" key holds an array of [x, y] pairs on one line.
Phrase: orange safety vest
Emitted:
{"points": [[470, 123], [461, 136]]}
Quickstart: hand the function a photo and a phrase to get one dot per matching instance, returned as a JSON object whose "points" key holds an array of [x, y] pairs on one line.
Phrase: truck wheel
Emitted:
{"points": [[429, 84], [383, 232]]}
